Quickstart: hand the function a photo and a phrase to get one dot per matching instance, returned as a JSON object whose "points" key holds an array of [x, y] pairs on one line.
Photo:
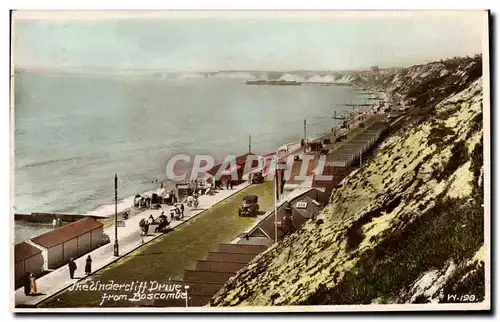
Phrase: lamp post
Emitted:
{"points": [[186, 288], [116, 250]]}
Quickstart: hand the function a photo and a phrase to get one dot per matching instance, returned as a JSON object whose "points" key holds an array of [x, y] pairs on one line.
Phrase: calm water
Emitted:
{"points": [[72, 133]]}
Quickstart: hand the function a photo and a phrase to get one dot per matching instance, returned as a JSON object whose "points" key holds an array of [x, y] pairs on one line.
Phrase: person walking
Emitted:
{"points": [[33, 290], [72, 268], [26, 283], [227, 184], [182, 210], [54, 223], [231, 184], [88, 265], [59, 222]]}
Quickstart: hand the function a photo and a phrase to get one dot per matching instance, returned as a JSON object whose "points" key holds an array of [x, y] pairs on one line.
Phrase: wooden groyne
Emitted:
{"points": [[48, 217]]}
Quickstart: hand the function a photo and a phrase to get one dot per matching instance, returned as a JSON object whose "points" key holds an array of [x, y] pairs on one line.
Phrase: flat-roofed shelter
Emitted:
{"points": [[70, 241], [28, 259]]}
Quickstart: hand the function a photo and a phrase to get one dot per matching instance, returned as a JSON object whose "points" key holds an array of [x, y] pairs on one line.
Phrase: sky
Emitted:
{"points": [[194, 41]]}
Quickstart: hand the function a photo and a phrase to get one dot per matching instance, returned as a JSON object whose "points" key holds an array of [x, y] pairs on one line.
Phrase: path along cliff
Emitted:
{"points": [[408, 227]]}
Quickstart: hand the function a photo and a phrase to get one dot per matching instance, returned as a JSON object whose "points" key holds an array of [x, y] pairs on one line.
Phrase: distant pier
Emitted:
{"points": [[285, 83]]}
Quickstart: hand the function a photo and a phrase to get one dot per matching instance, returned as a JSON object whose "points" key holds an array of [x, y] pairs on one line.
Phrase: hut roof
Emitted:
{"points": [[240, 161], [67, 232], [24, 250]]}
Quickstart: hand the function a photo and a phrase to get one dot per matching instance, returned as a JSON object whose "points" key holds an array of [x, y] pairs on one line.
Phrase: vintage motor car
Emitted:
{"points": [[250, 206], [258, 178]]}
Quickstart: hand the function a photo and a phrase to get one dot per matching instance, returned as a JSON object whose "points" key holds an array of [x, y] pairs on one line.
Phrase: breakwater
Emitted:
{"points": [[36, 217]]}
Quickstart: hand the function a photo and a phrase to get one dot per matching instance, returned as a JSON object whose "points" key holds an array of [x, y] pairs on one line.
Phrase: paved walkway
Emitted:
{"points": [[129, 239]]}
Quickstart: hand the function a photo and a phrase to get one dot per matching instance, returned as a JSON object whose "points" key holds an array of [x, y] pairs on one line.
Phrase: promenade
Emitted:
{"points": [[129, 239]]}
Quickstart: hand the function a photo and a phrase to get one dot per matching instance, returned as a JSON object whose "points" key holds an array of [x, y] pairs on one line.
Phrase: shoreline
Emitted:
{"points": [[106, 211]]}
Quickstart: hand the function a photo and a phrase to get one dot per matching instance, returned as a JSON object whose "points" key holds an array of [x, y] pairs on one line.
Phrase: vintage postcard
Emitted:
{"points": [[250, 161]]}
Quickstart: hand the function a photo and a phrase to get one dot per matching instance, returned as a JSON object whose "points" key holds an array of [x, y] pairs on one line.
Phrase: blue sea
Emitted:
{"points": [[73, 132]]}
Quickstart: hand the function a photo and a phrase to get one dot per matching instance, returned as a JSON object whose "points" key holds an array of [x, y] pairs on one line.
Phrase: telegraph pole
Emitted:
{"points": [[116, 252], [276, 203], [334, 127]]}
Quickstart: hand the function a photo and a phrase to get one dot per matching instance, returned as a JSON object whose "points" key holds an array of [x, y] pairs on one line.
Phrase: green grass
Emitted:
{"points": [[168, 256]]}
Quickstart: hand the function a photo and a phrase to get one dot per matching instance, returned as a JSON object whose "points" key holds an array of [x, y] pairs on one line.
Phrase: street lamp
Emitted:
{"points": [[116, 249]]}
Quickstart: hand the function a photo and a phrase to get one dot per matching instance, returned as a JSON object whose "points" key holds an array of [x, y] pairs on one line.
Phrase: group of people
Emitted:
{"points": [[30, 287], [170, 198], [144, 225], [177, 212], [56, 222], [142, 202], [72, 267], [218, 184]]}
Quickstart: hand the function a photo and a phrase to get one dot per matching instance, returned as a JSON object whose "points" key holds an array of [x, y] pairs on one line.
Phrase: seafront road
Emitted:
{"points": [[129, 239]]}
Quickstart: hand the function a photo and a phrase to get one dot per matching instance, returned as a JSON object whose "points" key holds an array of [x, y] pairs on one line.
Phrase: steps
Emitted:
{"points": [[212, 273], [218, 266], [230, 257], [241, 248]]}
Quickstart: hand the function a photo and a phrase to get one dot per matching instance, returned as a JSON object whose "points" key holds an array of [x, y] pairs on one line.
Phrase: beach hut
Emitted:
{"points": [[28, 259], [70, 241]]}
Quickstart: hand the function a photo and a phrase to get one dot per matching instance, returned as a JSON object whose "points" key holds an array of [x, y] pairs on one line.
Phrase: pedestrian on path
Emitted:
{"points": [[33, 290], [54, 223], [26, 282], [59, 222], [231, 184], [72, 268], [88, 265]]}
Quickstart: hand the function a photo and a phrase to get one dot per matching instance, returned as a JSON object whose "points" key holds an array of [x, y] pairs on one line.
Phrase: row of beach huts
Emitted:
{"points": [[54, 249]]}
